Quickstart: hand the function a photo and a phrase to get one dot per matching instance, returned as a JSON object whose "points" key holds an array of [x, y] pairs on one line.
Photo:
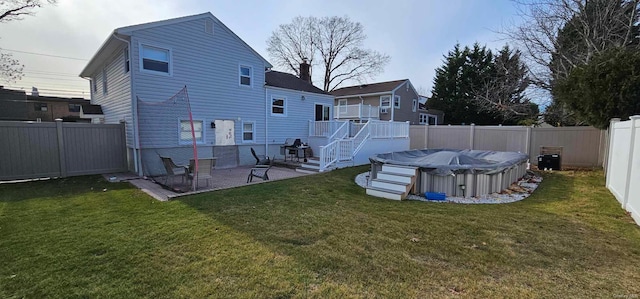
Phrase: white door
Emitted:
{"points": [[225, 132]]}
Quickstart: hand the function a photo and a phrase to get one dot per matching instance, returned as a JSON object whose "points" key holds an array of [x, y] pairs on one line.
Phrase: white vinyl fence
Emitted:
{"points": [[623, 167]]}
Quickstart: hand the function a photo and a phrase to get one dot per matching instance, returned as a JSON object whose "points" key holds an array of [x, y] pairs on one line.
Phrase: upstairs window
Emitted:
{"points": [[126, 60], [40, 107], [155, 59], [245, 75], [415, 105], [74, 107], [94, 85], [396, 102], [104, 80], [385, 101]]}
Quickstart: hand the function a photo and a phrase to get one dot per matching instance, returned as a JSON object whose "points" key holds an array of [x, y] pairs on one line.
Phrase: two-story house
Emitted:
{"points": [[392, 100], [235, 101]]}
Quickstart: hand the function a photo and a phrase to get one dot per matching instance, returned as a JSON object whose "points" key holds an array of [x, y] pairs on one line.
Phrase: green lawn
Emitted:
{"points": [[314, 236]]}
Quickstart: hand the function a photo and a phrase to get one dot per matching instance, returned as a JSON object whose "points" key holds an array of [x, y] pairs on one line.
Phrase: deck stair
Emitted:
{"points": [[393, 182], [311, 166]]}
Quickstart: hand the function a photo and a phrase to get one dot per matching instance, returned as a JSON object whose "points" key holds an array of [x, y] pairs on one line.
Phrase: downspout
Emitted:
{"points": [[134, 110], [393, 104], [266, 121]]}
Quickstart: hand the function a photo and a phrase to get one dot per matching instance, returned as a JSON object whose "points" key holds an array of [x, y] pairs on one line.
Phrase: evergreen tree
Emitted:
{"points": [[606, 87]]}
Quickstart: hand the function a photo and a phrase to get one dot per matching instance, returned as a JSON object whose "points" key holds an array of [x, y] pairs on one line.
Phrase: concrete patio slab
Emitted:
{"points": [[222, 179]]}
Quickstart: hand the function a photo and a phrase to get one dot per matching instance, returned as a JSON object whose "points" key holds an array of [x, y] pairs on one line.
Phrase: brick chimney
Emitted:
{"points": [[304, 70]]}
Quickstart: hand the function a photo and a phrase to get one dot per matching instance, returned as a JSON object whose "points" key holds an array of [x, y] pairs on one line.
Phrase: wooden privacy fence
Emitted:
{"points": [[37, 150], [581, 146], [623, 167]]}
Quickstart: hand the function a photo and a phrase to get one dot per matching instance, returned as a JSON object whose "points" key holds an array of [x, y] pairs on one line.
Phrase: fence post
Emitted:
{"points": [[610, 152], [633, 120], [426, 136], [472, 136], [61, 155], [527, 147]]}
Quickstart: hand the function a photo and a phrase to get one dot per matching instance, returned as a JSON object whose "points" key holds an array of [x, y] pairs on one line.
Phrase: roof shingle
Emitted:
{"points": [[289, 81], [367, 88]]}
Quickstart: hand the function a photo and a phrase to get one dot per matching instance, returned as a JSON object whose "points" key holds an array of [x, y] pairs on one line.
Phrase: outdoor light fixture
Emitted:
{"points": [[213, 124], [302, 98]]}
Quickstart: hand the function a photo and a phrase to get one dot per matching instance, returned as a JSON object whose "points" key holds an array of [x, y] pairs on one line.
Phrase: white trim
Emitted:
{"points": [[245, 65], [141, 45], [426, 122], [383, 106], [342, 108], [330, 115], [414, 106], [183, 142], [253, 131], [284, 106], [399, 101]]}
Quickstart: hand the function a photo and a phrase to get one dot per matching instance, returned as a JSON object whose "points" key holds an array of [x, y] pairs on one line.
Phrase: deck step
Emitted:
{"points": [[401, 169], [396, 177], [385, 193], [391, 185]]}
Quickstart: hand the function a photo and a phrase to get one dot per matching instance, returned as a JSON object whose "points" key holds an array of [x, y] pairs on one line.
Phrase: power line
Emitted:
{"points": [[42, 54], [52, 74], [56, 79], [51, 89]]}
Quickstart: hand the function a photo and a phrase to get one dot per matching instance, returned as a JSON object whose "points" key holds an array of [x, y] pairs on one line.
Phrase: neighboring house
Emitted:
{"points": [[429, 116], [233, 109], [393, 100], [17, 105]]}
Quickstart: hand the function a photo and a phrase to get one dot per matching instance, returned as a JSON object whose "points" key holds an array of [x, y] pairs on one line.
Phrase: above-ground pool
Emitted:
{"points": [[460, 173]]}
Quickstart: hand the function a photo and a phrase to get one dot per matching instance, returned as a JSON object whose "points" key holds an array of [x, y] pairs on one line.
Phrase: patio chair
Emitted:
{"points": [[260, 159], [205, 170], [172, 170], [260, 171]]}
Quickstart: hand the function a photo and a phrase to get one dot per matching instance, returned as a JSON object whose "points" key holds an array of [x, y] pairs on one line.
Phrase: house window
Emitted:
{"points": [[94, 85], [104, 81], [185, 131], [342, 105], [126, 60], [40, 107], [415, 105], [396, 102], [385, 101], [74, 107], [155, 59], [245, 75], [278, 106], [248, 132], [428, 119]]}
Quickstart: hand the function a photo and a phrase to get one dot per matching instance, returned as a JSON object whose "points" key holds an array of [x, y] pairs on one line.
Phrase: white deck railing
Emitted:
{"points": [[387, 129], [346, 148], [359, 111], [326, 128]]}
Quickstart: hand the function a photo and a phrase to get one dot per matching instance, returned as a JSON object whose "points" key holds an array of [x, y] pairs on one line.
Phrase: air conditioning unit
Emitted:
{"points": [[384, 110]]}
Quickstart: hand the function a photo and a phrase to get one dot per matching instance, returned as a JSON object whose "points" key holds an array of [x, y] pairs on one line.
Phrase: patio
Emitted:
{"points": [[222, 179]]}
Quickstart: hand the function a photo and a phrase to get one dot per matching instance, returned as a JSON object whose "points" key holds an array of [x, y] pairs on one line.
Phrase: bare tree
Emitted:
{"points": [[13, 10], [332, 43], [503, 89], [592, 26]]}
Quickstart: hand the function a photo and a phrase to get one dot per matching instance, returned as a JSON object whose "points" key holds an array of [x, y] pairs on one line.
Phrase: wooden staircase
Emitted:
{"points": [[393, 182]]}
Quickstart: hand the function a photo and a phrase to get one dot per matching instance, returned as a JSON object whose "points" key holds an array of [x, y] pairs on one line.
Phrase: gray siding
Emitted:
{"points": [[295, 124], [116, 104], [208, 65], [405, 112]]}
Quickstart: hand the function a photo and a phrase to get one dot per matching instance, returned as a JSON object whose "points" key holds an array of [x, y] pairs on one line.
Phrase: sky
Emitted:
{"points": [[56, 43]]}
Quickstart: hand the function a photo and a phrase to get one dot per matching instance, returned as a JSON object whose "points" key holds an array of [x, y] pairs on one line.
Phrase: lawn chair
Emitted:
{"points": [[205, 170], [172, 170], [260, 171], [260, 159]]}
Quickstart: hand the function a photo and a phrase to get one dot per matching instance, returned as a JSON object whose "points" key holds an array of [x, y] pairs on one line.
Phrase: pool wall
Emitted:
{"points": [[475, 184]]}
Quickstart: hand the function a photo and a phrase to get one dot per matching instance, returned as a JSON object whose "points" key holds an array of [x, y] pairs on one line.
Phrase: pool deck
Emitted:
{"points": [[222, 179]]}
